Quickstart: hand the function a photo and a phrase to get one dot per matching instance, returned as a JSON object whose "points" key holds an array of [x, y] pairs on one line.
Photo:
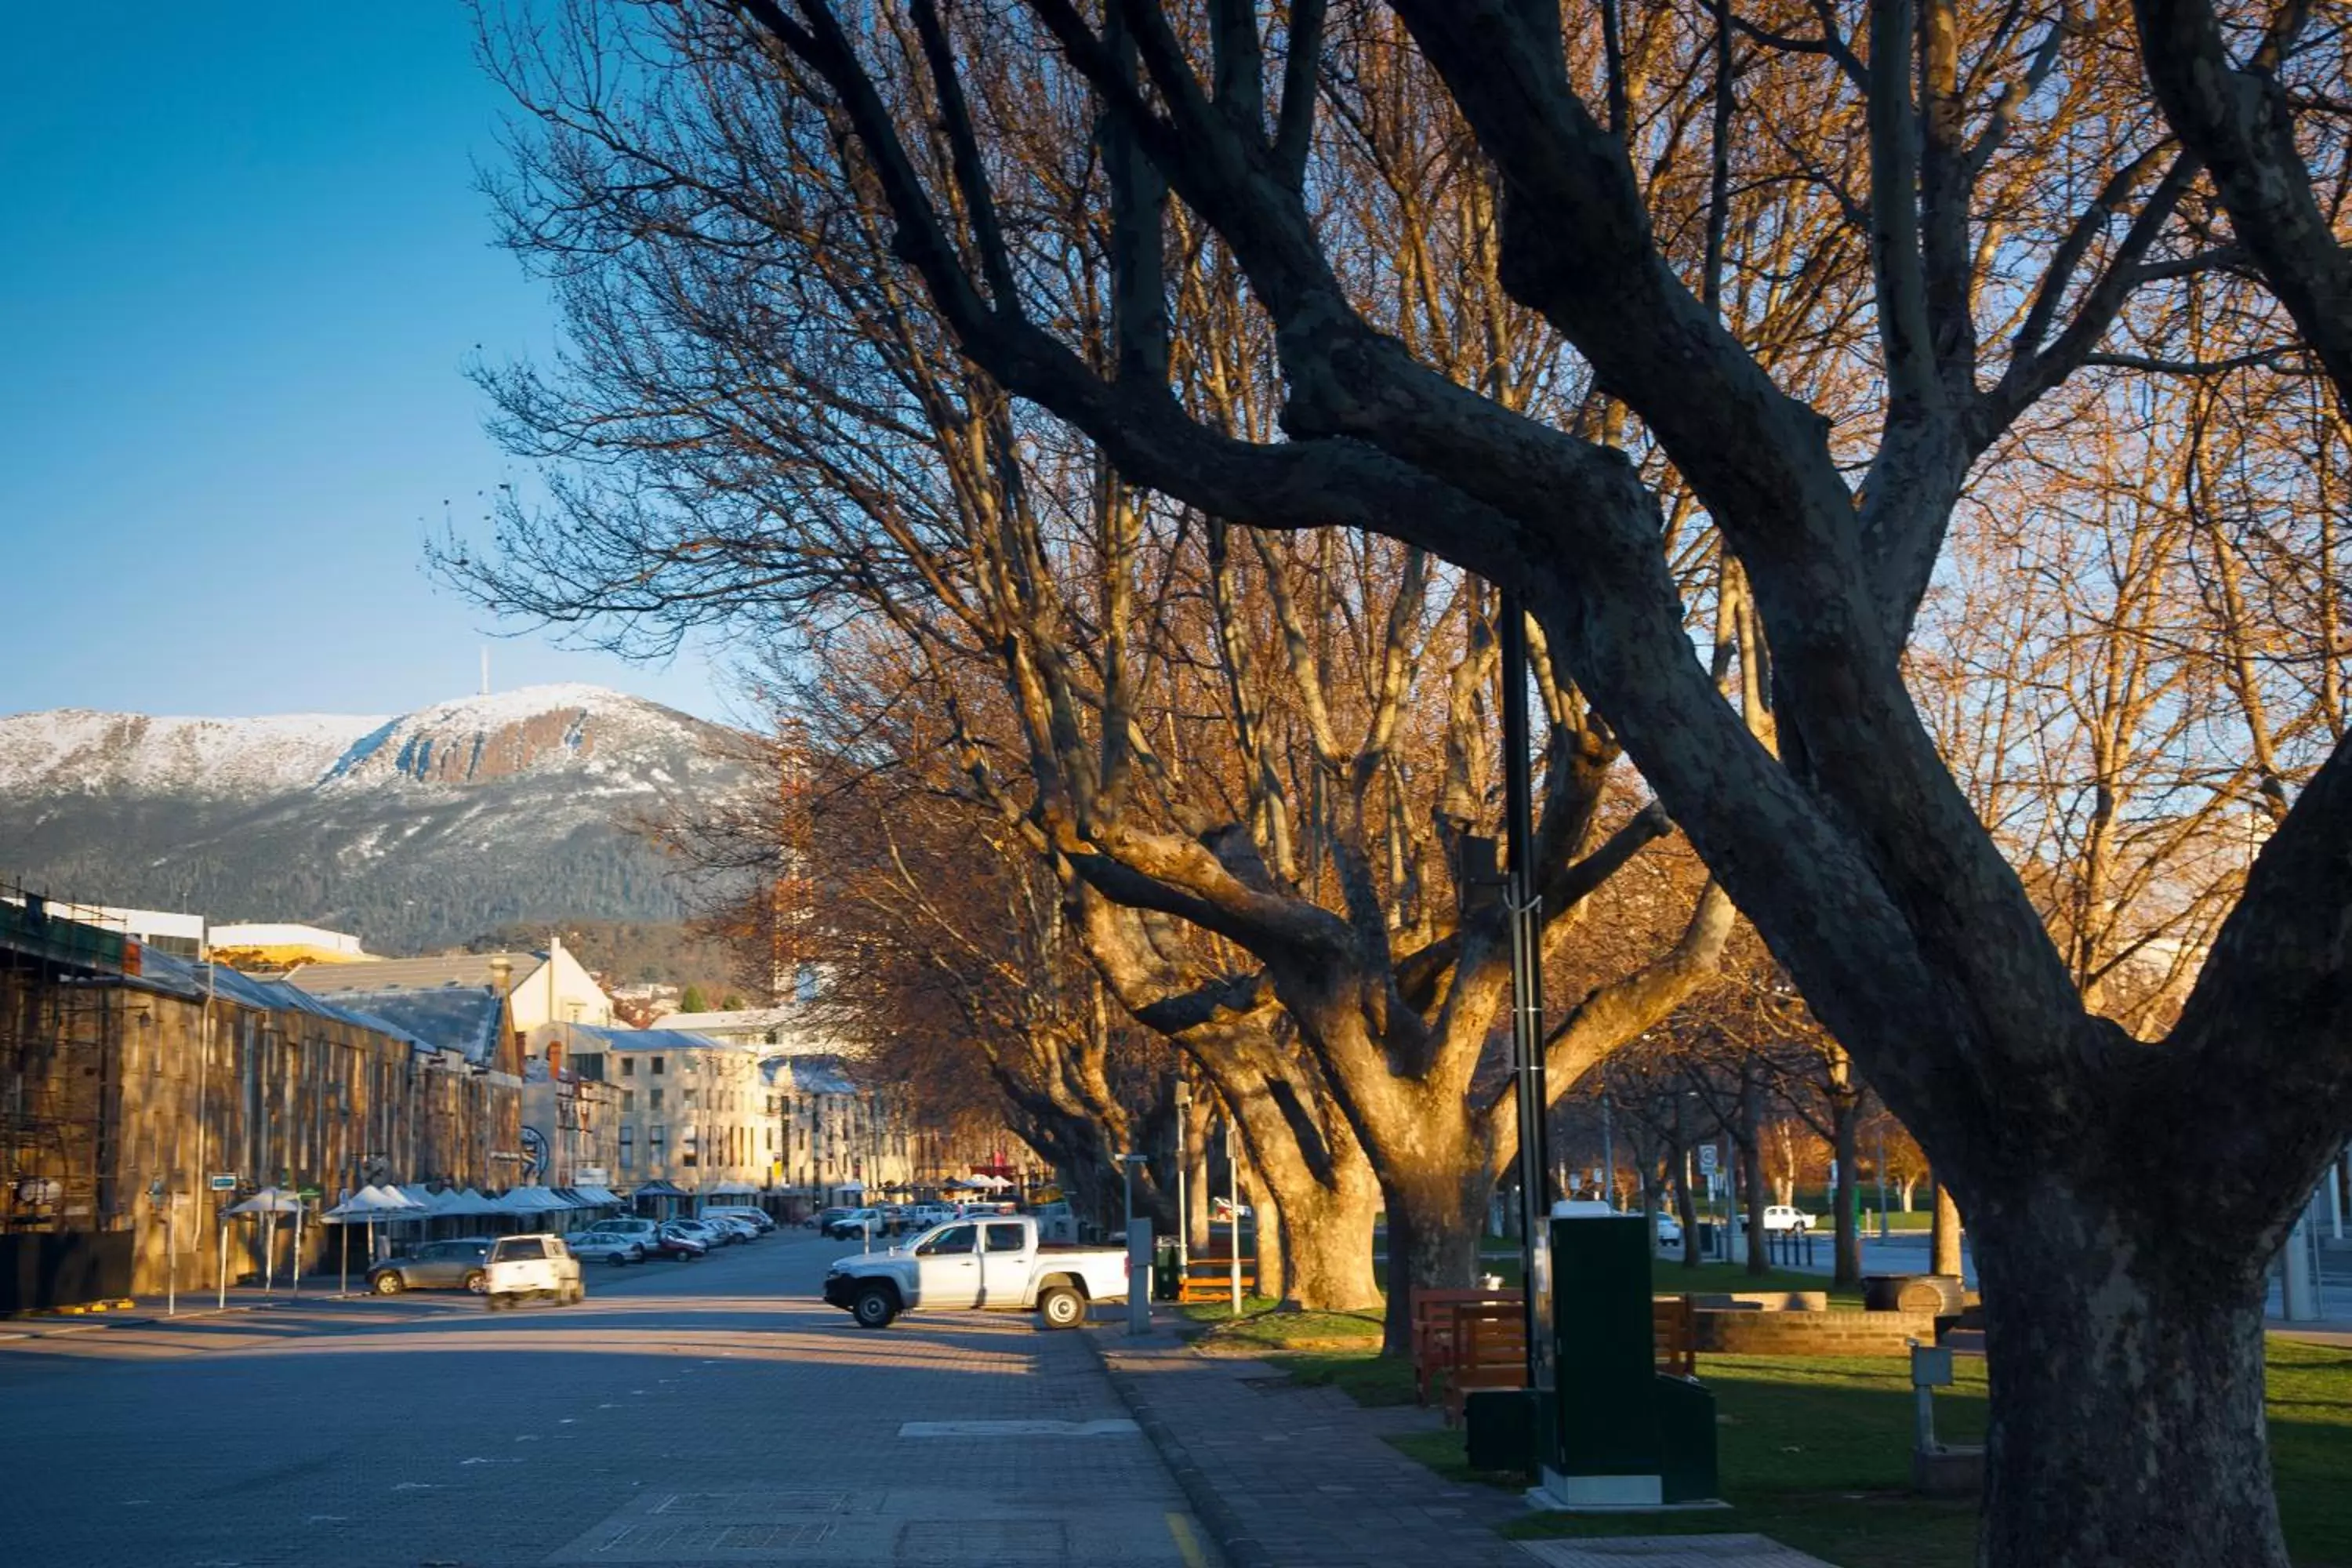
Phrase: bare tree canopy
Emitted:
{"points": [[1695, 327]]}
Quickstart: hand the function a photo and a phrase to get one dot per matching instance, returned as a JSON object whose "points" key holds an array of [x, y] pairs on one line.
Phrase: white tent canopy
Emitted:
{"points": [[269, 1200], [467, 1202], [734, 1190], [529, 1200], [374, 1203]]}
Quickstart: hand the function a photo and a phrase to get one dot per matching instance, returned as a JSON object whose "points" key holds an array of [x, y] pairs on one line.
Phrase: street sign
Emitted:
{"points": [[1707, 1158], [308, 1192], [224, 1184]]}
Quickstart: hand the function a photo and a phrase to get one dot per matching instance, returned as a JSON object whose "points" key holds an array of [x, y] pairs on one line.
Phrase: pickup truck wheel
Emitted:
{"points": [[875, 1307], [1061, 1307], [477, 1281]]}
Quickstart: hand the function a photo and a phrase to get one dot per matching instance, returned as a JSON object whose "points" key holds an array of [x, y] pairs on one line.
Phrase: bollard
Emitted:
{"points": [[1138, 1276]]}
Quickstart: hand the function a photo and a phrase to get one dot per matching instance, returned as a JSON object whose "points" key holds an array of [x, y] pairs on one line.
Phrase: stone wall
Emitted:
{"points": [[1744, 1333]]}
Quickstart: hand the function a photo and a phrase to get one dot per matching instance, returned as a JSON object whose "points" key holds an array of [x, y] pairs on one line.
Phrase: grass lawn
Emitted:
{"points": [[1816, 1452]]}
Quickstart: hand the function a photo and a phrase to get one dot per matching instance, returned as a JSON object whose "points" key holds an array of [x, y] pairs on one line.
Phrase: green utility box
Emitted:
{"points": [[1619, 1434], [1500, 1430]]}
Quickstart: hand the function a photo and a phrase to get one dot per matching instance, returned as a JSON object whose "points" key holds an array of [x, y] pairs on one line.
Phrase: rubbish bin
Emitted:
{"points": [[1166, 1279]]}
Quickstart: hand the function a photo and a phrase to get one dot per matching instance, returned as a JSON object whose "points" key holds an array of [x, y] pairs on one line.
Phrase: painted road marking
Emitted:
{"points": [[1188, 1545]]}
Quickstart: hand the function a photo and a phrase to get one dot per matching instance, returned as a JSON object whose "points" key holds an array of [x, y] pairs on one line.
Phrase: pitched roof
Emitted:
{"points": [[806, 1075], [451, 1017], [737, 1018], [456, 969], [651, 1041]]}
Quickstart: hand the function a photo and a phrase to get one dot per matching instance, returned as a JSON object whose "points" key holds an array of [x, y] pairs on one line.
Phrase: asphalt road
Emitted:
{"points": [[705, 1412]]}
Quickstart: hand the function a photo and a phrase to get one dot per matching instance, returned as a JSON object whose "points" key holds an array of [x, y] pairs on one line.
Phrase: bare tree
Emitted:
{"points": [[2126, 1339]]}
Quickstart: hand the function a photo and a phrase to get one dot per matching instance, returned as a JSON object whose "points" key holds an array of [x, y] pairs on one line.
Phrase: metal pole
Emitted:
{"points": [[1234, 1189], [1184, 1158], [1609, 1152], [220, 1223], [1882, 1183], [204, 1078], [170, 1261], [1527, 994]]}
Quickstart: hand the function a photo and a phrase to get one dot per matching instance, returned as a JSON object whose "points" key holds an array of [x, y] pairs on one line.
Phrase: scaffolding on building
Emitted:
{"points": [[62, 1017]]}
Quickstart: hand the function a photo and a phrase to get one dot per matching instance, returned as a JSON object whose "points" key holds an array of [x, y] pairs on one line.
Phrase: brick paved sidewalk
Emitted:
{"points": [[1299, 1478]]}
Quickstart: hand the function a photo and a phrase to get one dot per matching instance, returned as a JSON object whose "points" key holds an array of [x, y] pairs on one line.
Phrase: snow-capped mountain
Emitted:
{"points": [[413, 830]]}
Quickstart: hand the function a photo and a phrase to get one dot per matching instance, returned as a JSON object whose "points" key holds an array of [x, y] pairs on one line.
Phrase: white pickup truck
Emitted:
{"points": [[996, 1264]]}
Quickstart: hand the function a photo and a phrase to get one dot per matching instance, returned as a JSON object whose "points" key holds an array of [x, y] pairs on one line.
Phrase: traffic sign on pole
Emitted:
{"points": [[224, 1184]]}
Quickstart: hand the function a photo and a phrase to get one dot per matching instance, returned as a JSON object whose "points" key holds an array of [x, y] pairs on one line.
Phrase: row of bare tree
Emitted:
{"points": [[1913, 429]]}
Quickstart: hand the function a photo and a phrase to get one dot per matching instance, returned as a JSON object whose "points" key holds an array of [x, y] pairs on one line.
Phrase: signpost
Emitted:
{"points": [[1706, 1169], [223, 1184], [161, 1200]]}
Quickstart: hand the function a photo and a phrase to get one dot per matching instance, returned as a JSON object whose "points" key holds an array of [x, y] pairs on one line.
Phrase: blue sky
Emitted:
{"points": [[245, 264]]}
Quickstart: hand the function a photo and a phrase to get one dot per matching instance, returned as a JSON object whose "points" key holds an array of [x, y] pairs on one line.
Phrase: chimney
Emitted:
{"points": [[502, 973]]}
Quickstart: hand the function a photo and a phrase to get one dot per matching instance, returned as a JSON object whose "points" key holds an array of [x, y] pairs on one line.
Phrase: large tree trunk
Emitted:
{"points": [[1845, 1112], [1751, 1172], [2128, 1423], [1436, 1214], [1944, 1233], [1197, 1120], [1320, 1227], [1273, 1243]]}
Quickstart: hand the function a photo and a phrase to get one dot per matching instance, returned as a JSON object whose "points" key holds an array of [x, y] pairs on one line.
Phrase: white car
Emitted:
{"points": [[1781, 1217], [1670, 1230], [757, 1219], [521, 1266], [614, 1247]]}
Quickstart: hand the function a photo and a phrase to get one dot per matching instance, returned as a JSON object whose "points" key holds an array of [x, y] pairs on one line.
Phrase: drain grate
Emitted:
{"points": [[635, 1540], [983, 1543]]}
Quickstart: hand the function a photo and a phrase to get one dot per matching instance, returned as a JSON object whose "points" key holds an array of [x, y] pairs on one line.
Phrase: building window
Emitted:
{"points": [[657, 1066], [687, 1148], [805, 983], [657, 1139], [628, 1148], [657, 1099], [689, 1100], [628, 1067], [628, 1099]]}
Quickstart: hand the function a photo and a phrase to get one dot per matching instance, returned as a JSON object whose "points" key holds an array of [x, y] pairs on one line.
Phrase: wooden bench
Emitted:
{"points": [[1674, 1335], [1211, 1278], [1434, 1331], [1490, 1350]]}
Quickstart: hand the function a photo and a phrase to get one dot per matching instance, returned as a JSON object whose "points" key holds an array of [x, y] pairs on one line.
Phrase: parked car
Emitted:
{"points": [[1781, 1217], [614, 1247], [760, 1219], [823, 1220], [524, 1267], [455, 1265], [855, 1222], [734, 1225], [680, 1243], [1670, 1230], [998, 1265], [712, 1237]]}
